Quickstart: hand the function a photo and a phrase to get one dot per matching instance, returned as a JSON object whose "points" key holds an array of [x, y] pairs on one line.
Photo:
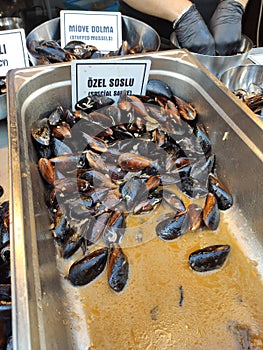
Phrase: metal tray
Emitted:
{"points": [[48, 315]]}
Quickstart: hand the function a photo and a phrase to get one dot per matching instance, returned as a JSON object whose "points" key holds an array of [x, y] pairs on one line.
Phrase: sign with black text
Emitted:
{"points": [[108, 78], [97, 28], [13, 51]]}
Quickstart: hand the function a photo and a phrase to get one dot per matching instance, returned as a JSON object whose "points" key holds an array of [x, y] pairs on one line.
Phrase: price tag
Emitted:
{"points": [[108, 78], [100, 29], [13, 51]]}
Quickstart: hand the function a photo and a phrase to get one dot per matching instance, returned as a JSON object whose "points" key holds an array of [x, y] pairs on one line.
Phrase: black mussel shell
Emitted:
{"points": [[132, 191], [201, 169], [5, 254], [147, 205], [41, 132], [173, 201], [4, 235], [211, 213], [186, 110], [209, 258], [133, 162], [75, 47], [5, 273], [115, 228], [44, 151], [4, 207], [62, 230], [194, 217], [192, 188], [96, 227], [56, 115], [46, 170], [69, 118], [53, 54], [203, 138], [59, 148], [5, 293], [170, 229], [157, 87], [86, 269], [224, 198], [89, 104], [73, 243], [118, 268]]}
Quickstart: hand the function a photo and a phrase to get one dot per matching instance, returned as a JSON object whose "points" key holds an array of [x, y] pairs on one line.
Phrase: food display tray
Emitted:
{"points": [[48, 313]]}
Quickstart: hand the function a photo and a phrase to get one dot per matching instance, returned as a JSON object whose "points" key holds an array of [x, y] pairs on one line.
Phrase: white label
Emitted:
{"points": [[100, 29], [108, 78], [13, 51]]}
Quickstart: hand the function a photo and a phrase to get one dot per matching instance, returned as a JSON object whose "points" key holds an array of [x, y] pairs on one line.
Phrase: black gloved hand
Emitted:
{"points": [[193, 34], [225, 25]]}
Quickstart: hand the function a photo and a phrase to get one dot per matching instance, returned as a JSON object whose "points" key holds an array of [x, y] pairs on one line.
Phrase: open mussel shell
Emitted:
{"points": [[209, 258], [40, 131]]}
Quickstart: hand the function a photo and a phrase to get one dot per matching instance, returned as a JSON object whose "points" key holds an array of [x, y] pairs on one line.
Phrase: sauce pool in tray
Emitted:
{"points": [[167, 305]]}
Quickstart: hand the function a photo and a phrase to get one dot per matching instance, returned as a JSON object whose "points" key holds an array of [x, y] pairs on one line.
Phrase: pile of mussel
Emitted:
{"points": [[5, 277], [105, 161], [50, 51]]}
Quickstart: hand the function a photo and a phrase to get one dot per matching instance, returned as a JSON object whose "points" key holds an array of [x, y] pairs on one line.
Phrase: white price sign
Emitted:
{"points": [[108, 78], [13, 51], [100, 29]]}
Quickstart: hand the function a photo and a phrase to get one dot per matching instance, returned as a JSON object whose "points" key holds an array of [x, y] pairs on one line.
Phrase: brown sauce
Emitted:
{"points": [[167, 305]]}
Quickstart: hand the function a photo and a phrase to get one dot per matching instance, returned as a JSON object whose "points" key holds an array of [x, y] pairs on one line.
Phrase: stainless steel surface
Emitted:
{"points": [[134, 31], [256, 55], [11, 23], [41, 319], [2, 106], [241, 77], [218, 64]]}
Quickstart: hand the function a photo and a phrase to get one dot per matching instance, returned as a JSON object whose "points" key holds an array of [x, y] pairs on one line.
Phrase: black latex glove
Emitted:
{"points": [[225, 25], [193, 34]]}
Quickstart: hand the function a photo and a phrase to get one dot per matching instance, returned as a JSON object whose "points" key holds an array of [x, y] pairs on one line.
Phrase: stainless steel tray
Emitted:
{"points": [[46, 315]]}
